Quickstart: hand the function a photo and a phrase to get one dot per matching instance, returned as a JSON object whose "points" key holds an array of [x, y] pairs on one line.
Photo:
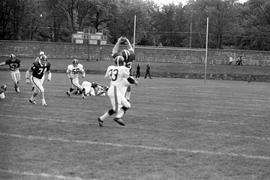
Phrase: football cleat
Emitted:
{"points": [[44, 103], [100, 122], [119, 121], [68, 93], [32, 101], [17, 89]]}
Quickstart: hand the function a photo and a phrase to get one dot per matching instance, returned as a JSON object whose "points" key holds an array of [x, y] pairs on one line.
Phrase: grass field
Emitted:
{"points": [[177, 129]]}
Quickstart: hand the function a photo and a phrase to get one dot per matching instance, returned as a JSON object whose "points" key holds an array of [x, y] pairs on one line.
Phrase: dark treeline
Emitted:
{"points": [[231, 24]]}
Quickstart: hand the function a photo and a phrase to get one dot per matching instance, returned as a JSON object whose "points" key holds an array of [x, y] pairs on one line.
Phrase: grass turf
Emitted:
{"points": [[176, 129], [194, 71]]}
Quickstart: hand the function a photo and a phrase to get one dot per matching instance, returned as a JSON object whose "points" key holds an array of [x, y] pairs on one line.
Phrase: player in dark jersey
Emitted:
{"points": [[14, 66], [41, 53], [38, 70], [128, 55]]}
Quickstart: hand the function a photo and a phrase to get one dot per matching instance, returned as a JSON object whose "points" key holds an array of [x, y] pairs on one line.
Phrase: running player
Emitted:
{"points": [[14, 65], [73, 71], [119, 81], [41, 53], [37, 71], [128, 55]]}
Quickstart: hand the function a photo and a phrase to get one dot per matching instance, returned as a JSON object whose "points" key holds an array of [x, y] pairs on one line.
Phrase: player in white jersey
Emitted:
{"points": [[120, 79], [73, 71], [88, 89], [3, 89], [128, 55], [93, 89]]}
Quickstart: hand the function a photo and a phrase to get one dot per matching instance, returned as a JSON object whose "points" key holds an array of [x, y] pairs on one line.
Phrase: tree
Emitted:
{"points": [[256, 24]]}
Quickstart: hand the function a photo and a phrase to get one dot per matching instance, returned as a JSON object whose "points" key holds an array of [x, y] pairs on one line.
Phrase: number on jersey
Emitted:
{"points": [[113, 73]]}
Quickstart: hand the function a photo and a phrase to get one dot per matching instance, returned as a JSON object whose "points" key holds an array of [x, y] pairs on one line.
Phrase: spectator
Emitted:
{"points": [[239, 61], [147, 73], [138, 71], [231, 60]]}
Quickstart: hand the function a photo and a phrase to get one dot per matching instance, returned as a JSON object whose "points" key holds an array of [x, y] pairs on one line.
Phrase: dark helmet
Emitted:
{"points": [[119, 61], [125, 53]]}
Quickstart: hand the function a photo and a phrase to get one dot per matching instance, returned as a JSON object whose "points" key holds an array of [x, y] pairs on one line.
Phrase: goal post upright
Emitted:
{"points": [[206, 50], [134, 32]]}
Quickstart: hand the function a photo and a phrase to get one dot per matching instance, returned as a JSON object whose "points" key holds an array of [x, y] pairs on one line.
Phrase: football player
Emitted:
{"points": [[2, 91], [14, 65], [93, 89], [41, 53], [128, 55], [100, 90], [88, 89], [37, 72], [120, 79], [73, 71]]}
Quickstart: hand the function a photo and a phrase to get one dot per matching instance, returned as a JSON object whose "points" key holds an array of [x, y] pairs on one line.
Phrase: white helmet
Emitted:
{"points": [[75, 62], [12, 56], [41, 53], [43, 59]]}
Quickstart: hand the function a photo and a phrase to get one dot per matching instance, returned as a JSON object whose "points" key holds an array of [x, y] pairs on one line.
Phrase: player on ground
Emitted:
{"points": [[100, 90], [37, 71], [73, 71], [88, 89], [14, 65], [128, 55], [93, 89], [3, 89], [120, 79]]}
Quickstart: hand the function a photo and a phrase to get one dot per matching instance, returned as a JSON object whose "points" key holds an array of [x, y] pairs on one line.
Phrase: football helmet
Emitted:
{"points": [[41, 53], [43, 59], [75, 62], [125, 53], [94, 84], [119, 61], [4, 87], [12, 56]]}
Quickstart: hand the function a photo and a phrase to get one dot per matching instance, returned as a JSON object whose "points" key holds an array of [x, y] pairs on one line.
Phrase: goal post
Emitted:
{"points": [[134, 32], [206, 50]]}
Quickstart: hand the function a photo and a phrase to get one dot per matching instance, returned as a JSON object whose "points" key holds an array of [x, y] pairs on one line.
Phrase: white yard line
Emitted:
{"points": [[44, 175], [148, 129], [151, 148]]}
